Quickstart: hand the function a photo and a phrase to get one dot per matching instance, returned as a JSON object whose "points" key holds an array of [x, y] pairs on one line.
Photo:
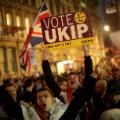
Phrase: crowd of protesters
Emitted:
{"points": [[90, 94]]}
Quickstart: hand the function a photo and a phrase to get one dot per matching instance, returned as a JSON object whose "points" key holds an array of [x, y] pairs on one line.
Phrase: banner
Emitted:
{"points": [[67, 30]]}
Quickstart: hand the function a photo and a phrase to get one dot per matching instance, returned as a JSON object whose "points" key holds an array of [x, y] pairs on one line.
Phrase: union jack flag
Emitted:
{"points": [[34, 37], [25, 54]]}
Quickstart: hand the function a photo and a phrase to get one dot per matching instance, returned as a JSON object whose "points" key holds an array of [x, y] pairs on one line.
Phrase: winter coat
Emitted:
{"points": [[11, 108], [57, 110], [3, 115], [28, 111]]}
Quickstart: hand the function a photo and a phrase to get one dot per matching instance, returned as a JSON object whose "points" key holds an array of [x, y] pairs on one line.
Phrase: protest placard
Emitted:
{"points": [[67, 30]]}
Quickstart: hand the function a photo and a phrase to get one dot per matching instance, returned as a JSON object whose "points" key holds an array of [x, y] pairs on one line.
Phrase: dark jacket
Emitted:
{"points": [[50, 79], [11, 108], [3, 115], [98, 106]]}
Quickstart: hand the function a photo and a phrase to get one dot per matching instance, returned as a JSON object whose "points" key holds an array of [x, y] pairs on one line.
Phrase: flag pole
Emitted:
{"points": [[38, 12], [25, 59], [43, 2]]}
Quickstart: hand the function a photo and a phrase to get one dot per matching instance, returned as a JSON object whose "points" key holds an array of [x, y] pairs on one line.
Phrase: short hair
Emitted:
{"points": [[102, 82], [7, 81], [44, 89], [29, 82], [115, 69], [61, 79], [111, 114], [72, 73], [8, 85]]}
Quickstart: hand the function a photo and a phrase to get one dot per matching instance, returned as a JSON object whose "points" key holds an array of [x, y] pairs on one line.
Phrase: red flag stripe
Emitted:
{"points": [[37, 33], [41, 17]]}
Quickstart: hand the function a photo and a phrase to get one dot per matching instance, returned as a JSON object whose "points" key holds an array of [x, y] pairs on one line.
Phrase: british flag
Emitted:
{"points": [[33, 38], [36, 36], [25, 54]]}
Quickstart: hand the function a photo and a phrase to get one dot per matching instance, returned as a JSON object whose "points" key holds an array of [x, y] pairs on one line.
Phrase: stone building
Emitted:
{"points": [[16, 17], [112, 19]]}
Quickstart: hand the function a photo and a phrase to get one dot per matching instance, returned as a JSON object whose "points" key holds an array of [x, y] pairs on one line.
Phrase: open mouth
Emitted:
{"points": [[44, 105], [72, 83]]}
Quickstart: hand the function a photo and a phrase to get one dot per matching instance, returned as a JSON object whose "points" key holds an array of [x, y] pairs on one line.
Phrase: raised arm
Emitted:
{"points": [[49, 78], [88, 65], [84, 94]]}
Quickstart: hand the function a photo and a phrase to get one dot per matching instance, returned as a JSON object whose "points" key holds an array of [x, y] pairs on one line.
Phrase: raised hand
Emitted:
{"points": [[86, 49], [44, 53]]}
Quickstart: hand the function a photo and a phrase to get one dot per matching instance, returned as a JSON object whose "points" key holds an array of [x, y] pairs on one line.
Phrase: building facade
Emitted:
{"points": [[16, 17], [112, 19]]}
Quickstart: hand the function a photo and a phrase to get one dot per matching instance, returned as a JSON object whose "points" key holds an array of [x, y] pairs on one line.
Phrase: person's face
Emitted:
{"points": [[100, 88], [73, 82], [115, 74], [114, 98], [12, 91], [45, 100], [63, 85]]}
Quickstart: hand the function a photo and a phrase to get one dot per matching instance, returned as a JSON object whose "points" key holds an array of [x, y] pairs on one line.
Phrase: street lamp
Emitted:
{"points": [[110, 6], [106, 28]]}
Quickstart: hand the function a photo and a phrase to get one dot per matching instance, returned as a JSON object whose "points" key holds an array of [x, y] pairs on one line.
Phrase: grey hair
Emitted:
{"points": [[111, 114]]}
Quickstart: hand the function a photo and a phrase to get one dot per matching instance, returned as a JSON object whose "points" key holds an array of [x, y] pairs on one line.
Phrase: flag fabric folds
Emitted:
{"points": [[36, 36], [25, 54], [33, 38]]}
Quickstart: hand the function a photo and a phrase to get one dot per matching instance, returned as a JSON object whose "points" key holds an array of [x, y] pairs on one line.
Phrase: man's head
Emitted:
{"points": [[44, 99], [10, 88], [29, 83], [73, 81], [62, 82], [115, 73], [101, 87], [113, 91]]}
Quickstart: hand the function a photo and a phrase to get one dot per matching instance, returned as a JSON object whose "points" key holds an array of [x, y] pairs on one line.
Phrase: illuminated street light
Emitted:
{"points": [[83, 4], [110, 6], [106, 28], [111, 10]]}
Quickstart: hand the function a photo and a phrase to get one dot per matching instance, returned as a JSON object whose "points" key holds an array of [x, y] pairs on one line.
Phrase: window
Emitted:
{"points": [[27, 23], [0, 21], [0, 15], [3, 63], [57, 9], [33, 3], [51, 7], [18, 21], [8, 19], [12, 59], [19, 24], [38, 59], [38, 3], [26, 2]]}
